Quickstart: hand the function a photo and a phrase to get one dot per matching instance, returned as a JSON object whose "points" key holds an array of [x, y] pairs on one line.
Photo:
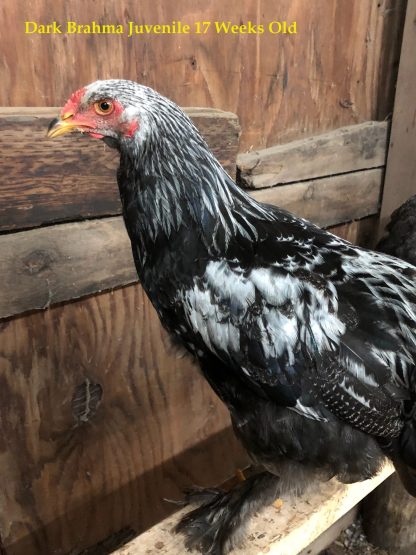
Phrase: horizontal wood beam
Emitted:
{"points": [[44, 181], [57, 263], [289, 530], [330, 200], [343, 150], [48, 265]]}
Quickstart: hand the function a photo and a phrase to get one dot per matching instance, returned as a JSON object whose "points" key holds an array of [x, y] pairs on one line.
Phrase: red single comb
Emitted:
{"points": [[72, 105]]}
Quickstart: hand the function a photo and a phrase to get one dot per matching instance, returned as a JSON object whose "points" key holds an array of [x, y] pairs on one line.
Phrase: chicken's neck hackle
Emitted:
{"points": [[168, 172]]}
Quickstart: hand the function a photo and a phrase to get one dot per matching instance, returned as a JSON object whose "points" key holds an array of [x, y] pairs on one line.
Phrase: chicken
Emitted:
{"points": [[400, 239], [309, 341]]}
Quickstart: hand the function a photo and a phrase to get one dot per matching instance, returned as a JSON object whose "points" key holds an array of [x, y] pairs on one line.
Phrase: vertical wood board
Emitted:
{"points": [[100, 421], [338, 69], [400, 181], [75, 472]]}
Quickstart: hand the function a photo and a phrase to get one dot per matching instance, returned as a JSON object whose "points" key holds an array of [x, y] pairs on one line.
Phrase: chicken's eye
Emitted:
{"points": [[104, 107]]}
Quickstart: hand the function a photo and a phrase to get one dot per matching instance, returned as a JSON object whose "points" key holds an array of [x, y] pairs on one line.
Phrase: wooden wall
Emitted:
{"points": [[99, 419], [339, 68], [74, 471], [400, 181]]}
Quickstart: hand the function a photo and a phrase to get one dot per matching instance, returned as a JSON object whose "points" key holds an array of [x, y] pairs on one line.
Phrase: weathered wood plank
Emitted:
{"points": [[286, 532], [329, 200], [389, 515], [53, 264], [79, 462], [400, 181], [339, 69], [63, 262], [43, 181], [347, 149]]}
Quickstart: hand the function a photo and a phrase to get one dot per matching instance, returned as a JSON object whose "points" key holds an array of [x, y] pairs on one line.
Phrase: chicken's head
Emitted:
{"points": [[114, 110]]}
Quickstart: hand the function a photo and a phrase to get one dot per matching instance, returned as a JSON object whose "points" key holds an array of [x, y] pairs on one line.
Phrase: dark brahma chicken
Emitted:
{"points": [[308, 340], [400, 238]]}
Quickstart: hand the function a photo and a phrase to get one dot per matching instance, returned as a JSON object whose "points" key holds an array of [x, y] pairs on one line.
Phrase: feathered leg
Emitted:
{"points": [[218, 524]]}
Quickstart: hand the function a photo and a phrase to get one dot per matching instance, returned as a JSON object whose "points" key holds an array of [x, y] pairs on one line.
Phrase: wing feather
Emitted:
{"points": [[309, 342]]}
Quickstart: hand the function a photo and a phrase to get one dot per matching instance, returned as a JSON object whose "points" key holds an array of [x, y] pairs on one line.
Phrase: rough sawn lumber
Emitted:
{"points": [[62, 262], [48, 265], [348, 149], [330, 200], [287, 531], [45, 181], [400, 182]]}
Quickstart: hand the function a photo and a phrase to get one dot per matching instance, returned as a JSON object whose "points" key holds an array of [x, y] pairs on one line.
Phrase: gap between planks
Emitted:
{"points": [[44, 181], [54, 263]]}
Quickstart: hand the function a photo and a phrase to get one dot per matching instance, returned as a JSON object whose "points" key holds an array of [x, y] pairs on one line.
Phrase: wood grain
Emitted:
{"points": [[66, 482], [285, 532], [359, 232], [389, 515], [49, 265], [343, 150], [45, 181], [53, 264], [339, 69], [400, 182], [329, 200]]}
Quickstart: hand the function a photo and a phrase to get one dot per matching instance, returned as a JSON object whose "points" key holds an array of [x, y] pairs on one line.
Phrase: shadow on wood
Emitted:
{"points": [[92, 399], [138, 504]]}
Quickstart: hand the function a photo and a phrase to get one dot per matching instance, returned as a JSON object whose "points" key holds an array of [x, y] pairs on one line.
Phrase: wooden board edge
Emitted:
{"points": [[52, 111], [328, 537], [312, 515], [52, 268], [343, 150], [312, 199]]}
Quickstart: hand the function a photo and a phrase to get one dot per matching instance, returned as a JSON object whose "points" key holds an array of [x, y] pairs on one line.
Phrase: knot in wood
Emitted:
{"points": [[37, 261], [85, 401]]}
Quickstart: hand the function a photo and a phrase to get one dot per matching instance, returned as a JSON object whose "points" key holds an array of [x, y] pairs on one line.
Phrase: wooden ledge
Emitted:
{"points": [[344, 150], [44, 181], [289, 531]]}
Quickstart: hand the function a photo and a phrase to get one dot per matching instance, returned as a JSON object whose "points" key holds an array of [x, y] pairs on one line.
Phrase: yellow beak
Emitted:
{"points": [[63, 125]]}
